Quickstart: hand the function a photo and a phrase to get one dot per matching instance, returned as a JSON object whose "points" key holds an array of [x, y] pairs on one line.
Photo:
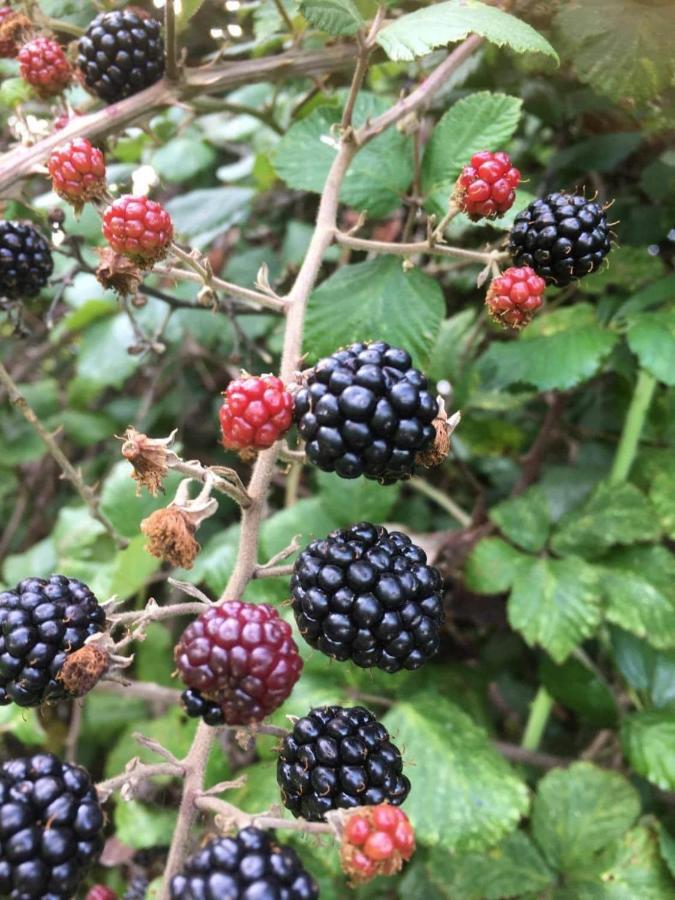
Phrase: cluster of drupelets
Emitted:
{"points": [[361, 593]]}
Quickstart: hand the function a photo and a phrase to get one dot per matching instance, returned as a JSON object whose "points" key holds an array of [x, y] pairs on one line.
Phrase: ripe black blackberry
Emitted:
{"points": [[339, 758], [366, 411], [366, 594], [137, 888], [252, 865], [561, 237], [25, 260], [42, 623], [50, 828], [121, 54]]}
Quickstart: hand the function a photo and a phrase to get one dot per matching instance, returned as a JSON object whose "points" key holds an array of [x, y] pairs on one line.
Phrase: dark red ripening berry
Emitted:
{"points": [[376, 841], [239, 662], [78, 172], [64, 119], [44, 65], [257, 411], [101, 892], [514, 296], [138, 228], [487, 187]]}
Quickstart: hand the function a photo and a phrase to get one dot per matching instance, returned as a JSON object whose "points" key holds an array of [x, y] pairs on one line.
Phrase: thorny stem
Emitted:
{"points": [[87, 494], [410, 249], [242, 819], [198, 472], [201, 276], [170, 41]]}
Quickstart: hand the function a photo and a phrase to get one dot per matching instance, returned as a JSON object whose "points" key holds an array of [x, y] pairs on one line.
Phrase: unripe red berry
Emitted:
{"points": [[256, 412], [78, 172], [515, 296], [44, 65], [240, 656], [376, 840], [487, 187], [65, 119], [101, 892], [138, 228]]}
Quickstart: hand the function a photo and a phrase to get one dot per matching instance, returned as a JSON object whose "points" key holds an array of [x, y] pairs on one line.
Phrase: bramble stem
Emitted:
{"points": [[410, 249], [632, 427], [200, 276], [170, 41], [536, 721]]}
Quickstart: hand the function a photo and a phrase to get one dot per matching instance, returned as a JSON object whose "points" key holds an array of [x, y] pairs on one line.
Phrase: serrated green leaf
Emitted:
{"points": [[555, 603], [419, 32], [39, 561], [558, 350], [525, 520], [492, 566], [473, 123], [188, 8], [14, 91], [141, 826], [464, 795], [333, 16], [633, 58], [579, 811], [356, 500], [651, 336], [577, 688], [375, 300], [667, 848], [648, 738], [131, 567], [201, 215], [120, 503], [636, 602], [182, 158], [103, 358], [645, 668], [379, 175], [613, 514]]}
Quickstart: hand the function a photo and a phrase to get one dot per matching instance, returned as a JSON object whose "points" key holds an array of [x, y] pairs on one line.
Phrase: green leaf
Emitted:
{"points": [[555, 603], [525, 519], [648, 738], [379, 175], [173, 730], [201, 215], [306, 519], [39, 561], [662, 495], [22, 724], [511, 869], [357, 500], [558, 350], [577, 688], [492, 566], [613, 514], [188, 8], [629, 870], [14, 91], [140, 826], [103, 358], [419, 32], [667, 848], [333, 16], [473, 123], [633, 58], [131, 568], [651, 336], [464, 795], [182, 158], [214, 562], [579, 811], [645, 668], [121, 504], [375, 300], [639, 596]]}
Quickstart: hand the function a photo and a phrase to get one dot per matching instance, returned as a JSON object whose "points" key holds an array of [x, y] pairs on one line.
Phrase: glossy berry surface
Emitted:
{"points": [[339, 758], [239, 661], [376, 841], [486, 188], [251, 865], [25, 260], [256, 412], [515, 296], [366, 410], [138, 228], [121, 53], [43, 621], [51, 826], [101, 892], [44, 65], [367, 595], [77, 171], [562, 237]]}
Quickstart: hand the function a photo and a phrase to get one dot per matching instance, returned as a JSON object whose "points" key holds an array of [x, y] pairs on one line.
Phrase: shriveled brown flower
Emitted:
{"points": [[148, 456], [170, 533], [13, 31], [117, 272], [438, 452], [83, 669]]}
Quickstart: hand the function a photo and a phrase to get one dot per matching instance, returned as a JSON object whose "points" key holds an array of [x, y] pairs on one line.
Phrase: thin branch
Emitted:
{"points": [[232, 814], [170, 41], [155, 613], [221, 478], [531, 757], [273, 571], [533, 460], [441, 499], [218, 284], [87, 494], [143, 690], [134, 775], [410, 249]]}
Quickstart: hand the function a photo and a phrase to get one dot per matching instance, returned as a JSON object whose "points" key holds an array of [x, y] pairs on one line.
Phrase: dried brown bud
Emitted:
{"points": [[170, 533], [13, 31], [148, 456], [83, 669], [117, 272], [438, 452]]}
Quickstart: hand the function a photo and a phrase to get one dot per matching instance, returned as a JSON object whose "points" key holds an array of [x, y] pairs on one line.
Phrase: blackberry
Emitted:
{"points": [[50, 828], [25, 260], [339, 758], [137, 888], [561, 237], [366, 411], [367, 594], [121, 54], [252, 865], [42, 623]]}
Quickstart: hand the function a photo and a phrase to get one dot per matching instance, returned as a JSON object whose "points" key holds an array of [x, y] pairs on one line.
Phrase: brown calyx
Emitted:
{"points": [[148, 456], [118, 273], [83, 669]]}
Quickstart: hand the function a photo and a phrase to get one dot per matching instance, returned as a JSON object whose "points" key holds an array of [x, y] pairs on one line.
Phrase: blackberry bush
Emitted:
{"points": [[367, 594]]}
